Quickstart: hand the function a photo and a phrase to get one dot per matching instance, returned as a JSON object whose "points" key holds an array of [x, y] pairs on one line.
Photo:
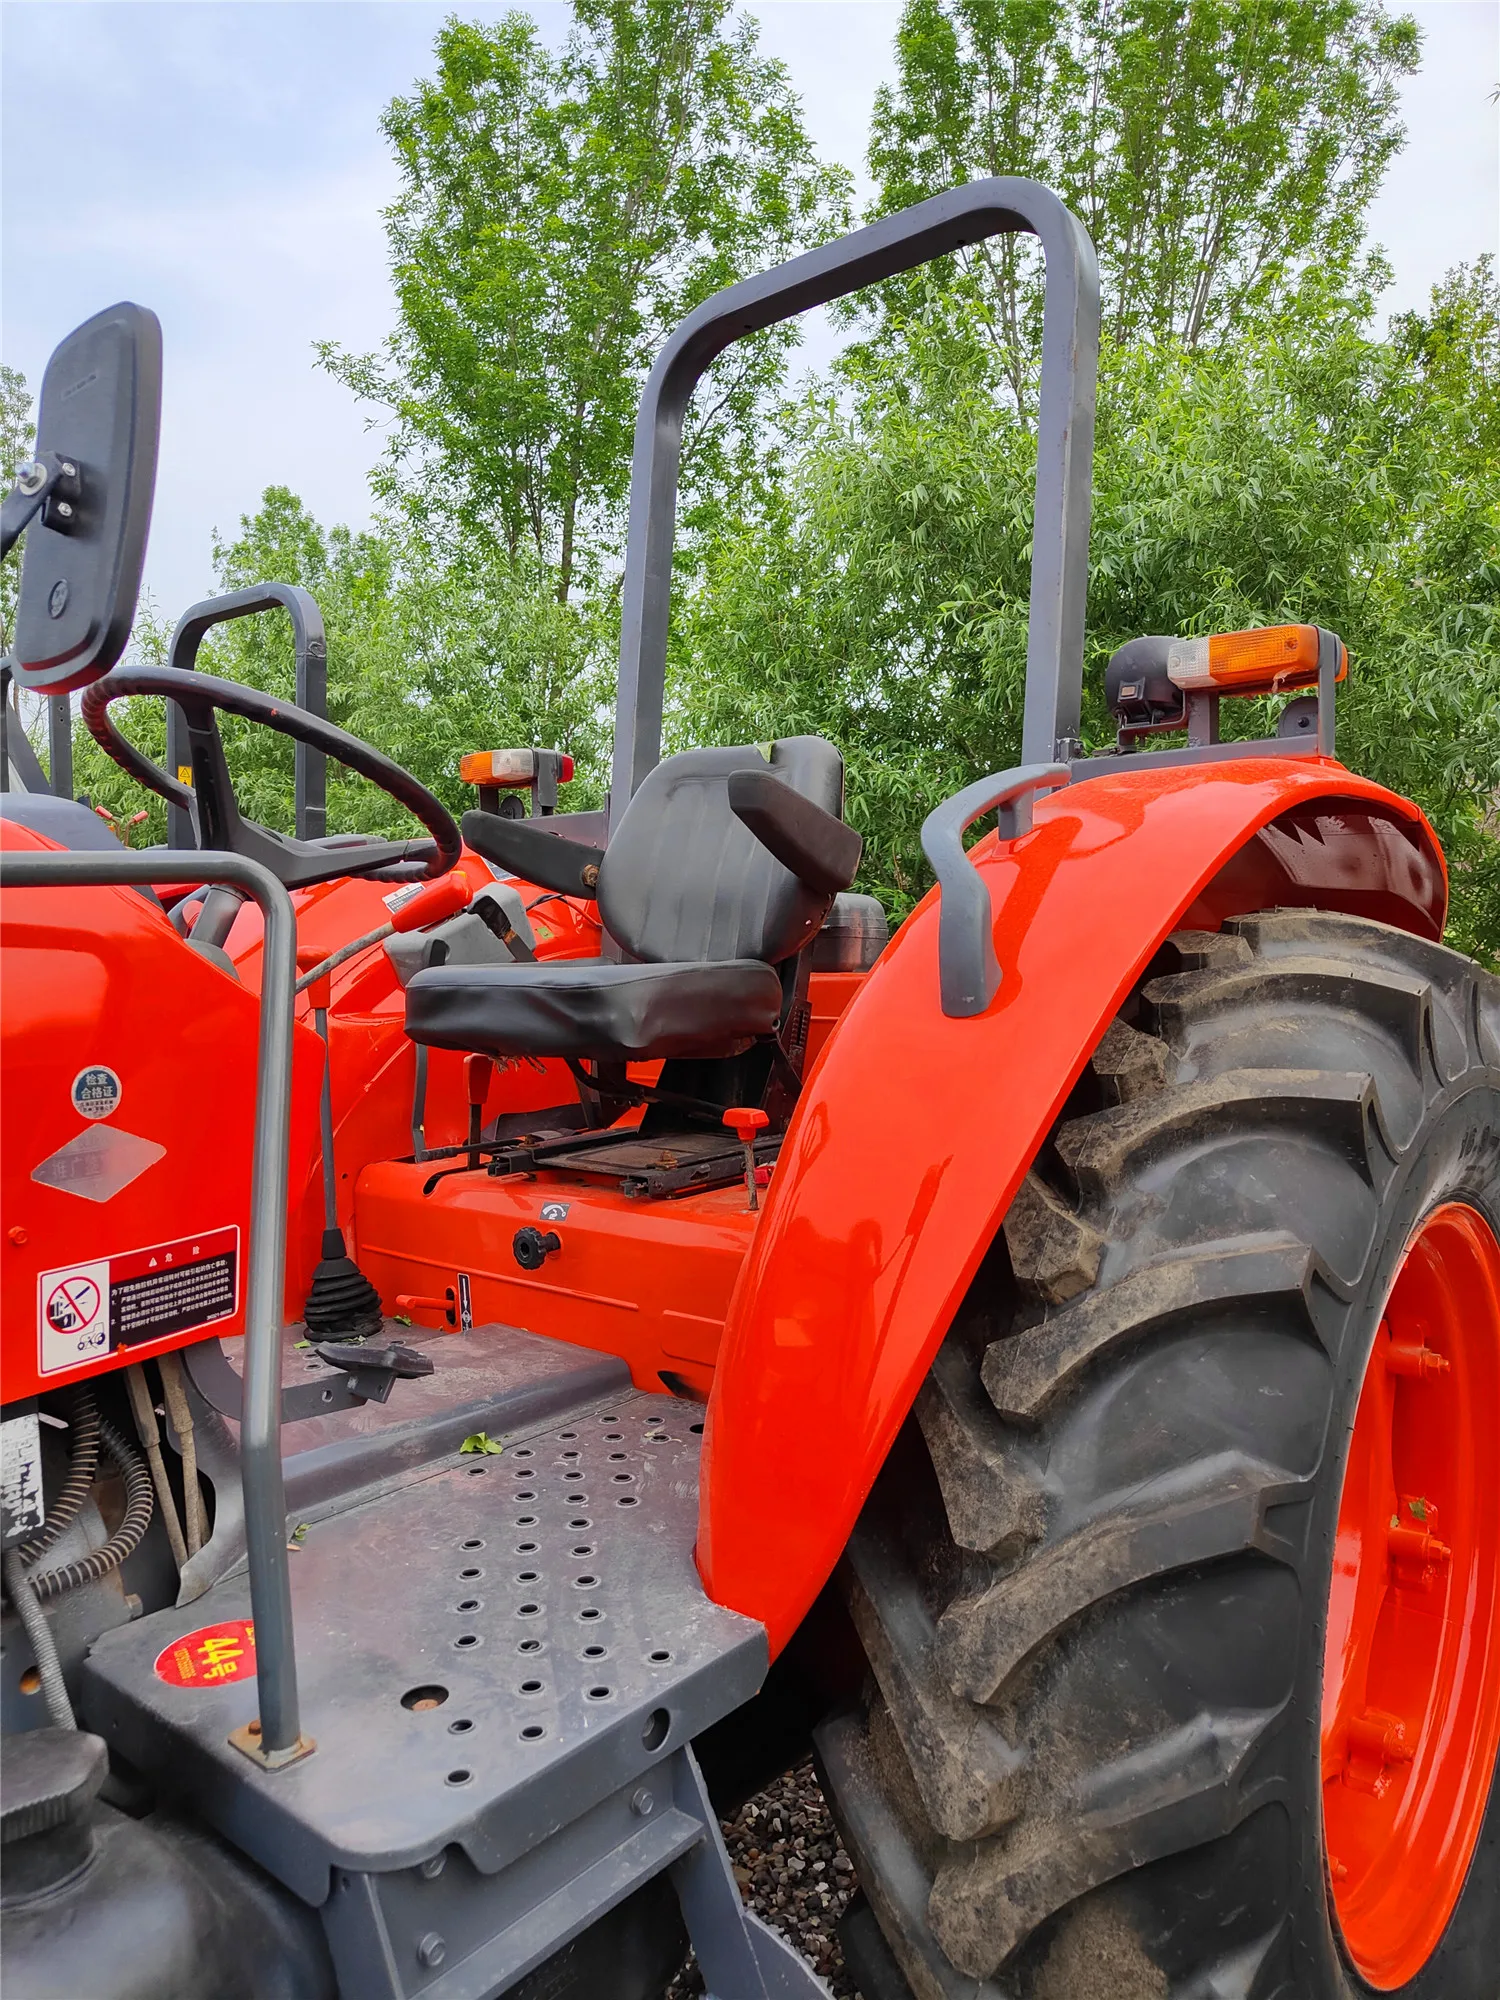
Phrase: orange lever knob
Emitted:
{"points": [[320, 993], [477, 1073], [433, 902], [746, 1121]]}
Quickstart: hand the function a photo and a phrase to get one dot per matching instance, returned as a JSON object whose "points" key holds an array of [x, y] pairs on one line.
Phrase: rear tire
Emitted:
{"points": [[1092, 1582]]}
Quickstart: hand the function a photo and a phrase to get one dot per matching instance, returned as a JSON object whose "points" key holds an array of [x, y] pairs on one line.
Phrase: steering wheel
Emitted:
{"points": [[297, 864]]}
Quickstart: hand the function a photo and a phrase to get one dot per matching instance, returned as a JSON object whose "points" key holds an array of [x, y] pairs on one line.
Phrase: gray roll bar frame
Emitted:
{"points": [[968, 971], [310, 645], [279, 1739], [1065, 445]]}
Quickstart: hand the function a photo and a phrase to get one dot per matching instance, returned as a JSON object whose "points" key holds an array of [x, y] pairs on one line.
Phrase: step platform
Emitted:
{"points": [[502, 1660]]}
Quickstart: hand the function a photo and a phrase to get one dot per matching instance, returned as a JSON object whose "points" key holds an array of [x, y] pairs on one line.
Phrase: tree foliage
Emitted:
{"points": [[1214, 149], [16, 435], [558, 214], [860, 557], [1308, 472], [426, 658]]}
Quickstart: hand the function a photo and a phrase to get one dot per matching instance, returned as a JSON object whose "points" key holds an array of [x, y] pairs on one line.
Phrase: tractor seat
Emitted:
{"points": [[723, 866]]}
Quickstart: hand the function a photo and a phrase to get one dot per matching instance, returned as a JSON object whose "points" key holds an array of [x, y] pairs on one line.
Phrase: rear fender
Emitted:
{"points": [[915, 1129]]}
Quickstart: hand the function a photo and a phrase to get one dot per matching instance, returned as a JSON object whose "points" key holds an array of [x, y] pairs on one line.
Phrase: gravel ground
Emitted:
{"points": [[792, 1871]]}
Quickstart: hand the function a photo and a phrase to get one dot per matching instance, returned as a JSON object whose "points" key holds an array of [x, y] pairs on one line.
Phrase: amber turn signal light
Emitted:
{"points": [[507, 767], [1273, 660]]}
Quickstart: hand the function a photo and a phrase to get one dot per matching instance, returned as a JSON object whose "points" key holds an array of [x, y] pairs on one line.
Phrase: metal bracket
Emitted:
{"points": [[247, 1740], [968, 969], [222, 1387], [47, 485]]}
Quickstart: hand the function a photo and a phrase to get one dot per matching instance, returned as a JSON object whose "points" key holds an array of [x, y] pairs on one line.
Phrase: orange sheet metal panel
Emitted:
{"points": [[647, 1280], [129, 1099], [915, 1129]]}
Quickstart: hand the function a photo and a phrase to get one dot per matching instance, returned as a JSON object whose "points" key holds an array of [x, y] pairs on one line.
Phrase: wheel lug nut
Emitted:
{"points": [[1380, 1737], [1416, 1548], [1415, 1360]]}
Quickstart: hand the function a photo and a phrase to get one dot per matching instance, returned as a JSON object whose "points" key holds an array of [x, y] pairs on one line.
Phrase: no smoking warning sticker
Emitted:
{"points": [[74, 1315], [210, 1656]]}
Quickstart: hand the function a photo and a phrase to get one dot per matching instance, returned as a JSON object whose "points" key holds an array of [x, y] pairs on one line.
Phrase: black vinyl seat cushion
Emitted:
{"points": [[591, 1008]]}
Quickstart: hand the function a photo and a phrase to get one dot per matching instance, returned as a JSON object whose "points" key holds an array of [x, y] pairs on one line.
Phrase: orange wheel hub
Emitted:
{"points": [[1411, 1665]]}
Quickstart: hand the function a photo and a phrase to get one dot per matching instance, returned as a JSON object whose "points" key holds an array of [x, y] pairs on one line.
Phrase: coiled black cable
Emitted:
{"points": [[83, 1443], [140, 1503]]}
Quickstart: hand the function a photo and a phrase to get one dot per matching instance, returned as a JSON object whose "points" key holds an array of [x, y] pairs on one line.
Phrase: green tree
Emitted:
{"points": [[558, 213], [1309, 472], [1214, 149], [427, 659], [16, 435]]}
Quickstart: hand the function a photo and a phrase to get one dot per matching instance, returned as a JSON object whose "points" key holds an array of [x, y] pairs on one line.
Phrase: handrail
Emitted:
{"points": [[280, 1738], [968, 970], [1065, 444]]}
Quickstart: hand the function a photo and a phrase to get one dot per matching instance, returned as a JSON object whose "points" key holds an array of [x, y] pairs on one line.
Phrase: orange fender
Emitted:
{"points": [[915, 1129]]}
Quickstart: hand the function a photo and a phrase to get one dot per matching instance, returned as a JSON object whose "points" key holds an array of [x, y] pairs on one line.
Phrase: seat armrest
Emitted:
{"points": [[548, 859], [821, 851]]}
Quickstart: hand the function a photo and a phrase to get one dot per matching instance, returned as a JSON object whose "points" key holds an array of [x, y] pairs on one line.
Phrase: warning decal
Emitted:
{"points": [[73, 1310], [90, 1309], [210, 1656], [172, 1286]]}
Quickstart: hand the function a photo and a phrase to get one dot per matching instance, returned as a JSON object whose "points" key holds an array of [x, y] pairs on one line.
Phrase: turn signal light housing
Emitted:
{"points": [[503, 768], [1273, 660]]}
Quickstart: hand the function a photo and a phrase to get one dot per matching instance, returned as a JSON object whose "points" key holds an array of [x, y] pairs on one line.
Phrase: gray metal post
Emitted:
{"points": [[1065, 445], [309, 766], [260, 1434], [60, 745], [179, 819]]}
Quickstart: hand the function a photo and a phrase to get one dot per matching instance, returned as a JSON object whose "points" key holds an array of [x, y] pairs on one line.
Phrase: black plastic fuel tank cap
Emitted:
{"points": [[47, 1780]]}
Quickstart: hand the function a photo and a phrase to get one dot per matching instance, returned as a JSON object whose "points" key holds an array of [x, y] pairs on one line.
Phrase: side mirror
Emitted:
{"points": [[91, 482]]}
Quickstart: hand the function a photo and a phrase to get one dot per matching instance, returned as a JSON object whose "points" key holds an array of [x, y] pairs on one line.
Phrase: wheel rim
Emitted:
{"points": [[1411, 1667]]}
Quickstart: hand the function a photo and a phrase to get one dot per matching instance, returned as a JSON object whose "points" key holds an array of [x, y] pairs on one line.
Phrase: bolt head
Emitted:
{"points": [[642, 1804], [431, 1950], [434, 1865], [57, 601], [31, 478]]}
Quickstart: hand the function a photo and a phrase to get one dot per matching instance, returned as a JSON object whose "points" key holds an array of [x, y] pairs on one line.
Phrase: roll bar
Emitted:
{"points": [[1065, 444], [309, 780]]}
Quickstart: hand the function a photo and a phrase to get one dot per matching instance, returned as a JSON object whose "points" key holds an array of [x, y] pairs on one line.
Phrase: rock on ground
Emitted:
{"points": [[793, 1872]]}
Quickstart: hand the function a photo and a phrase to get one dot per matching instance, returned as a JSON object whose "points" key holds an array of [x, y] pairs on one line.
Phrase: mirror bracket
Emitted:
{"points": [[48, 485]]}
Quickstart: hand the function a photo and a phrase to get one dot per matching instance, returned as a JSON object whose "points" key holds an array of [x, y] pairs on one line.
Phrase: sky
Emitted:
{"points": [[221, 161]]}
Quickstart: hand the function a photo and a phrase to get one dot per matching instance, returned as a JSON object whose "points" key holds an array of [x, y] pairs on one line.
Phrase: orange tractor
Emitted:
{"points": [[513, 1335]]}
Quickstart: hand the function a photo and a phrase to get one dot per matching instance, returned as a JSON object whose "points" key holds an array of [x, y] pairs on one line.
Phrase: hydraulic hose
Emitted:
{"points": [[140, 1501], [84, 1445], [22, 1594]]}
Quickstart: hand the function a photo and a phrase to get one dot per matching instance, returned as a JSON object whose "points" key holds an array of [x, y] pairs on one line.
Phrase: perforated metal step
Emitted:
{"points": [[484, 1655]]}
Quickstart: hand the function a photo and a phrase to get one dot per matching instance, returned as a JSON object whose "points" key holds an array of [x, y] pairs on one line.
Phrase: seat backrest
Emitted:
{"points": [[684, 880]]}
